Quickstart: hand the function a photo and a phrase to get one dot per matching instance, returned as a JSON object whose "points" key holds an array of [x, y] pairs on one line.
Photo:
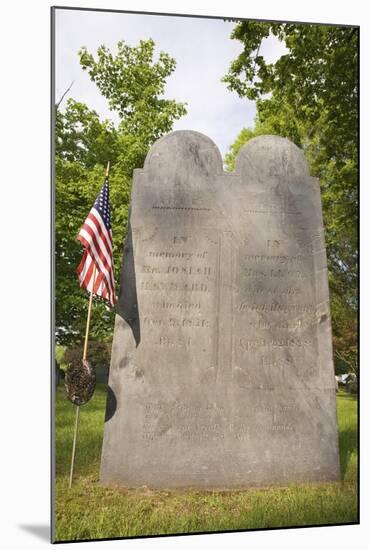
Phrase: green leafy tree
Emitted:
{"points": [[133, 84], [309, 95], [81, 137]]}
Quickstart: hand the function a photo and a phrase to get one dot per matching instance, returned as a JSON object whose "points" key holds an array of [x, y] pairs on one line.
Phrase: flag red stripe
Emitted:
{"points": [[97, 223], [100, 222], [95, 252], [85, 281], [99, 263], [89, 225], [106, 261], [98, 280], [93, 255], [87, 276], [82, 263]]}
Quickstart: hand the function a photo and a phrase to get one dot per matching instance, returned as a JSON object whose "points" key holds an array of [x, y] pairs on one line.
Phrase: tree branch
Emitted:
{"points": [[63, 96]]}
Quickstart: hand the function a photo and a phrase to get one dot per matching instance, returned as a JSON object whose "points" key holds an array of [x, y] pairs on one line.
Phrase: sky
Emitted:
{"points": [[203, 51]]}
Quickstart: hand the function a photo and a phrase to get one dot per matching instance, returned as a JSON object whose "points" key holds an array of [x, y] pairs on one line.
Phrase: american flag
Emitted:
{"points": [[96, 237]]}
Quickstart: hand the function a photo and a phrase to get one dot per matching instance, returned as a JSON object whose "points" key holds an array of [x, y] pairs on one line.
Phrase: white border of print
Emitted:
{"points": [[25, 89]]}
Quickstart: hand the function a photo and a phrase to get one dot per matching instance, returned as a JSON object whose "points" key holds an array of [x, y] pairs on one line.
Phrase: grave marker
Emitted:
{"points": [[221, 374]]}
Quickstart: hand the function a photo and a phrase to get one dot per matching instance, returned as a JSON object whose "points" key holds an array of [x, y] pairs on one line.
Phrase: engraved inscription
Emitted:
{"points": [[186, 255], [191, 208], [258, 258], [277, 307], [222, 348], [178, 421], [172, 286], [177, 305]]}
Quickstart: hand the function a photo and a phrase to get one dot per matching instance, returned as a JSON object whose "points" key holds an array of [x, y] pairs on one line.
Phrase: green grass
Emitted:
{"points": [[90, 511]]}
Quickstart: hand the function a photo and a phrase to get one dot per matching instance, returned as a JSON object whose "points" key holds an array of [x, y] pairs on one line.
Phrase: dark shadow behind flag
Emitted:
{"points": [[127, 306]]}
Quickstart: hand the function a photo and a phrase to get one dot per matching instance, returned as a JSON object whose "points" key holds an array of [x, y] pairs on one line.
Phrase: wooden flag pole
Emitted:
{"points": [[76, 423], [74, 446], [84, 358], [89, 316]]}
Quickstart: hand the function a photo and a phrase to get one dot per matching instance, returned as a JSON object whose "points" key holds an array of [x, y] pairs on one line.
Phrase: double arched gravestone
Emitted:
{"points": [[221, 372]]}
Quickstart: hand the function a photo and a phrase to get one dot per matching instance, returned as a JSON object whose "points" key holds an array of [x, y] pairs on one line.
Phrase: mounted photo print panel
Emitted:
{"points": [[205, 216]]}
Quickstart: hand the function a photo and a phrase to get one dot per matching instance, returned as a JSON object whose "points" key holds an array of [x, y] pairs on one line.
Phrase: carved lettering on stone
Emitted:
{"points": [[221, 366]]}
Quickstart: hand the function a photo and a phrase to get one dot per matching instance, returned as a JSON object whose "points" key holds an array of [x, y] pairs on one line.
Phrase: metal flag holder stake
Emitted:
{"points": [[84, 362]]}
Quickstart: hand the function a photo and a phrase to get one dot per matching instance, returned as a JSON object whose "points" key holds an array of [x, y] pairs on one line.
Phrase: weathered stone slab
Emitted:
{"points": [[221, 374]]}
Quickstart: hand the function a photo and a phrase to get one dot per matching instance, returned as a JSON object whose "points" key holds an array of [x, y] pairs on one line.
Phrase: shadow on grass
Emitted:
{"points": [[348, 431], [347, 445]]}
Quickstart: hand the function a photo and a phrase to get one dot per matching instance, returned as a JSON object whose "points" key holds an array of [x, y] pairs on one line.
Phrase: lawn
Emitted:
{"points": [[89, 511]]}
